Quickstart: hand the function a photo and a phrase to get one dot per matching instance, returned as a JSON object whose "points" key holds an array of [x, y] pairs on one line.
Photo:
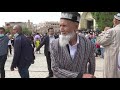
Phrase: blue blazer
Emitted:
{"points": [[23, 52]]}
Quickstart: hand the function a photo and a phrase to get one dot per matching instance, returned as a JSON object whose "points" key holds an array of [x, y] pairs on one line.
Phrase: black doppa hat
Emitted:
{"points": [[73, 16]]}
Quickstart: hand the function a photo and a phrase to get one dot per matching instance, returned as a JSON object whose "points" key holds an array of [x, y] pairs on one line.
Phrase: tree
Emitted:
{"points": [[26, 31], [8, 30], [104, 19]]}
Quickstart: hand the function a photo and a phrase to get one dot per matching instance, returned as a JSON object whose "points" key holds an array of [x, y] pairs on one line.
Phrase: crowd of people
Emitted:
{"points": [[69, 54], [92, 36]]}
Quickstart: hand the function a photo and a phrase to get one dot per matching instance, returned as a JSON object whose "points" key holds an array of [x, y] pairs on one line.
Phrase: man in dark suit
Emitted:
{"points": [[46, 41], [23, 53]]}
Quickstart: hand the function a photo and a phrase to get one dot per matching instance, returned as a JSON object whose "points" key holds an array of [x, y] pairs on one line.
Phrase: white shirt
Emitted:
{"points": [[9, 43], [51, 38], [73, 48]]}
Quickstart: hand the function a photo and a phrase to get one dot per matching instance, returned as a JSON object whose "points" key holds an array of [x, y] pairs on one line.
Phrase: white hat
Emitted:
{"points": [[117, 16], [73, 16]]}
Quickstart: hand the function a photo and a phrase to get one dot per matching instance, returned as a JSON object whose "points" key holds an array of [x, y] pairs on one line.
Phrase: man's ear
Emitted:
{"points": [[76, 25]]}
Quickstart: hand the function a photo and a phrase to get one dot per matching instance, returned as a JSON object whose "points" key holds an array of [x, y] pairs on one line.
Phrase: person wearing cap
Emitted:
{"points": [[110, 40], [71, 53]]}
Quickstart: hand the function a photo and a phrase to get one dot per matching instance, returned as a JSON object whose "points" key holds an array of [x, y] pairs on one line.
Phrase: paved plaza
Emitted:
{"points": [[39, 68]]}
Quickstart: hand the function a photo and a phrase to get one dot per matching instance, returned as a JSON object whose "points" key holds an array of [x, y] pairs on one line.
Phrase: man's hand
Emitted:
{"points": [[12, 68], [88, 76], [33, 62], [37, 50]]}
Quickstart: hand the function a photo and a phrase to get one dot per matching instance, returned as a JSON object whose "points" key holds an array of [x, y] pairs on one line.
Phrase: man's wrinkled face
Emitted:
{"points": [[67, 26], [115, 22], [68, 30]]}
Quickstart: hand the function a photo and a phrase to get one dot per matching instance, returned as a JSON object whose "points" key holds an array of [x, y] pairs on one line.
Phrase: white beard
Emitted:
{"points": [[64, 39]]}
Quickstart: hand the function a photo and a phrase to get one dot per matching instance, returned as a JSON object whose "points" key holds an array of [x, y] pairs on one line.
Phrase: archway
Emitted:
{"points": [[87, 21]]}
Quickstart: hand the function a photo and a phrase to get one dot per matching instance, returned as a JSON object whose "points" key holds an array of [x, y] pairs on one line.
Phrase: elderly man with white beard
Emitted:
{"points": [[72, 55]]}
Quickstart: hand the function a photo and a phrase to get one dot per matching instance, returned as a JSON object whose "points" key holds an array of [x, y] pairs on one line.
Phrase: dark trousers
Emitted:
{"points": [[3, 59], [49, 64], [23, 71]]}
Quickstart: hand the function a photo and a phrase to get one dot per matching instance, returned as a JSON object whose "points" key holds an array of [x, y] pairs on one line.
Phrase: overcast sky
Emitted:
{"points": [[35, 17]]}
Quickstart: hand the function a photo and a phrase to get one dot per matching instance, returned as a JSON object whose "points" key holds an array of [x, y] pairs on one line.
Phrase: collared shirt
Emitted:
{"points": [[9, 42], [73, 48], [51, 38]]}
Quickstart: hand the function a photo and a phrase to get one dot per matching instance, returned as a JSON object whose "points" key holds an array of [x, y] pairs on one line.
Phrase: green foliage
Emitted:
{"points": [[104, 19], [7, 30], [26, 31]]}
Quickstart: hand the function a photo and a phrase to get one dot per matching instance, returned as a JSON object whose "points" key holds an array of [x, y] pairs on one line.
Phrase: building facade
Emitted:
{"points": [[43, 27], [87, 21], [28, 25]]}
